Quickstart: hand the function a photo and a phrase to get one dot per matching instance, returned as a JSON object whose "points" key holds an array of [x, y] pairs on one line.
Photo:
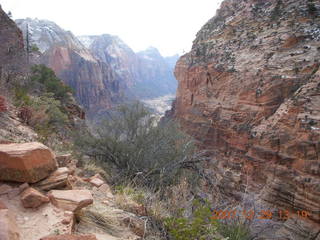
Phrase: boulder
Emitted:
{"points": [[57, 180], [70, 237], [71, 200], [31, 198], [8, 227], [26, 162]]}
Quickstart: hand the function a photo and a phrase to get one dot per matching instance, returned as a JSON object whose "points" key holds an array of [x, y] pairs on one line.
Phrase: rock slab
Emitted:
{"points": [[31, 198], [26, 162], [71, 200], [56, 180]]}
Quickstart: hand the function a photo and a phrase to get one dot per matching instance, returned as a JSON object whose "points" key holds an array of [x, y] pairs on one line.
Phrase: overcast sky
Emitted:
{"points": [[169, 25]]}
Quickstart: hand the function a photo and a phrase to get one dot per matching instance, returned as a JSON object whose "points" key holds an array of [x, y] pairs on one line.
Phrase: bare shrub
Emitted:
{"points": [[139, 150]]}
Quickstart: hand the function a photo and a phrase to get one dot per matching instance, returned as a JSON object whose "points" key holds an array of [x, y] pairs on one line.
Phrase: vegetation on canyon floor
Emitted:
{"points": [[149, 163]]}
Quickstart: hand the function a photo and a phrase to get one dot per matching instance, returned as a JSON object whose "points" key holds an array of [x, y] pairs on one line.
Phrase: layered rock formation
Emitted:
{"points": [[111, 49], [102, 70], [12, 56], [250, 91], [95, 84], [33, 213]]}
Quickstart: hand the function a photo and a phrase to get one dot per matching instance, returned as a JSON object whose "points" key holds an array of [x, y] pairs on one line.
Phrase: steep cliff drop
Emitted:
{"points": [[249, 90], [12, 56]]}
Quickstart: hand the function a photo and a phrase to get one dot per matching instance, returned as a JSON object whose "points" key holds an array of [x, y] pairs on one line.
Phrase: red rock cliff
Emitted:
{"points": [[12, 60], [250, 90], [95, 83]]}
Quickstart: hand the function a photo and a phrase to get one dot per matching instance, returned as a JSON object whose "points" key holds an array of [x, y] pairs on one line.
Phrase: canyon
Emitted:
{"points": [[249, 90], [102, 70], [41, 189]]}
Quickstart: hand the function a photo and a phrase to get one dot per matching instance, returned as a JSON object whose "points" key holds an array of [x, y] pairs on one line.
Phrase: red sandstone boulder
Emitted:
{"points": [[71, 200], [32, 198], [70, 237], [8, 227], [26, 162]]}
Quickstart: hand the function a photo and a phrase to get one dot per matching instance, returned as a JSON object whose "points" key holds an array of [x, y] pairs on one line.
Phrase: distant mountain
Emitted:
{"points": [[112, 50], [102, 70], [157, 74], [147, 74], [97, 86]]}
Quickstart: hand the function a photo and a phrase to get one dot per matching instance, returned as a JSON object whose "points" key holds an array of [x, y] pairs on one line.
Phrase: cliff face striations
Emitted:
{"points": [[12, 56], [95, 83], [250, 91]]}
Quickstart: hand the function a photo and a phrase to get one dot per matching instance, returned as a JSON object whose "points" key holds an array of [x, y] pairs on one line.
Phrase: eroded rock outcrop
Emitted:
{"points": [[12, 55], [25, 162], [249, 90]]}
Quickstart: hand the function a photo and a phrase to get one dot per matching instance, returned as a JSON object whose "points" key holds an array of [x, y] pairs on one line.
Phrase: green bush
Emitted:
{"points": [[140, 150], [235, 230], [47, 77], [21, 96], [34, 48], [52, 108], [201, 226]]}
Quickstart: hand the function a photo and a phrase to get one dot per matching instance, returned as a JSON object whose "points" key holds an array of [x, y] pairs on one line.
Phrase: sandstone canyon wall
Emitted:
{"points": [[101, 69], [12, 55], [96, 85], [249, 90]]}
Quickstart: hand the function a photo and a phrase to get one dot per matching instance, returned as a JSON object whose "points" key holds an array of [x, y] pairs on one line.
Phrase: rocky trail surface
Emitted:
{"points": [[70, 207]]}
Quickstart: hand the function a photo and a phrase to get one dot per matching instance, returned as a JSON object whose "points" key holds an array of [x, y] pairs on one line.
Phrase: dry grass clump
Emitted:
{"points": [[90, 168], [101, 217]]}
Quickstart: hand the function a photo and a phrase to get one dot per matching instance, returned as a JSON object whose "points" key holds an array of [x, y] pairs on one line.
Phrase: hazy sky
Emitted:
{"points": [[169, 25]]}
